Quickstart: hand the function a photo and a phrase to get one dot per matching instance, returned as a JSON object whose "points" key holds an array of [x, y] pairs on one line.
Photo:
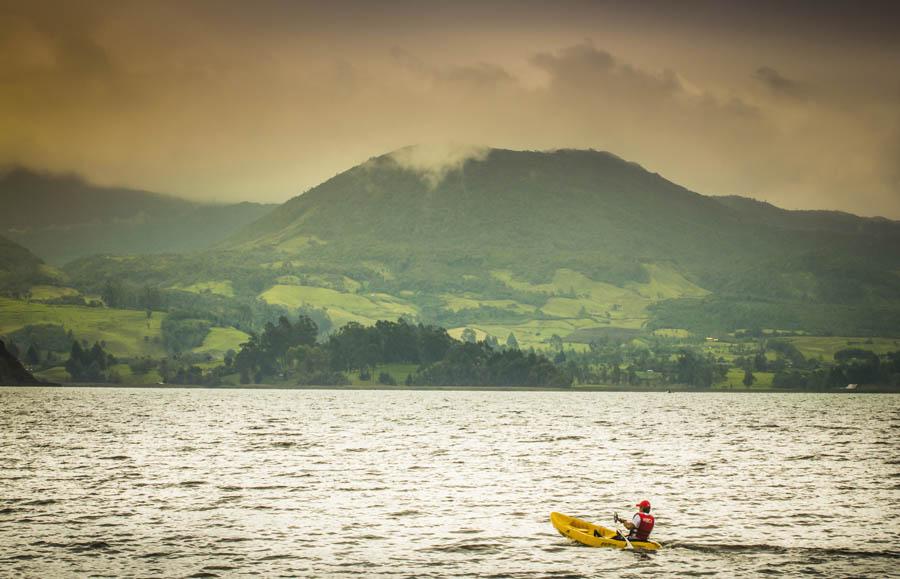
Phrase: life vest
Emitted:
{"points": [[642, 532]]}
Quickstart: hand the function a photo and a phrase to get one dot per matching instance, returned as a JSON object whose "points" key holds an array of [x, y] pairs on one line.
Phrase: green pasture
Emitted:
{"points": [[666, 283], [459, 303], [299, 243], [825, 347], [734, 380], [341, 307], [530, 334], [122, 330], [674, 333], [571, 294], [221, 287], [219, 340], [398, 371], [51, 292]]}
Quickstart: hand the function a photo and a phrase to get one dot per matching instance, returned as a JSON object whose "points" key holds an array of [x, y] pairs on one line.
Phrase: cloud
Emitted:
{"points": [[434, 161], [479, 76], [584, 65], [227, 100], [777, 83]]}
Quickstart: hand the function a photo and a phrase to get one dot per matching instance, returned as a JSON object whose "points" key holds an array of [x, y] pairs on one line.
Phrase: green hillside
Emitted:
{"points": [[534, 213], [20, 269], [63, 217], [126, 332], [542, 245]]}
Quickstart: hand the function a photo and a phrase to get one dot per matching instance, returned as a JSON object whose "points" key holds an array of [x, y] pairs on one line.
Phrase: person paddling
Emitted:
{"points": [[641, 524]]}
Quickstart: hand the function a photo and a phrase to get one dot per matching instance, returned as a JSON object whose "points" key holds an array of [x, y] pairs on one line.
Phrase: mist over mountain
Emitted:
{"points": [[63, 217]]}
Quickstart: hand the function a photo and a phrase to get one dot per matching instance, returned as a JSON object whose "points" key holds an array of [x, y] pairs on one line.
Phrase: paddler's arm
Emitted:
{"points": [[628, 524]]}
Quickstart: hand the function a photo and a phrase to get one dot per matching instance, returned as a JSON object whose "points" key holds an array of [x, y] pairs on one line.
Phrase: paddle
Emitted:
{"points": [[624, 536]]}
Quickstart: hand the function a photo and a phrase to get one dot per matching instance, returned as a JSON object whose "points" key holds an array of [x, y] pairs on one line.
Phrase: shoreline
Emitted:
{"points": [[382, 387]]}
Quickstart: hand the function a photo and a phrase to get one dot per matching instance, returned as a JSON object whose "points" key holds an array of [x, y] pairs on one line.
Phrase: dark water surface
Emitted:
{"points": [[207, 483]]}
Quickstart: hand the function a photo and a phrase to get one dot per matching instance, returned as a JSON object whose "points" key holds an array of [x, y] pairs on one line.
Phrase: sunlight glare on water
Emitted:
{"points": [[442, 483]]}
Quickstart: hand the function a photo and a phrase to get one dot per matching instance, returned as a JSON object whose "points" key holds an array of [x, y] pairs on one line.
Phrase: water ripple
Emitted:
{"points": [[207, 483]]}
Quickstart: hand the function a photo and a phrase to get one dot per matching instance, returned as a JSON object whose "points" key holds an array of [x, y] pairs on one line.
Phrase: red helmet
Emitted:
{"points": [[644, 504]]}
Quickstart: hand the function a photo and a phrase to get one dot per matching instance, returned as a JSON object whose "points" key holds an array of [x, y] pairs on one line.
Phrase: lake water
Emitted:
{"points": [[205, 483]]}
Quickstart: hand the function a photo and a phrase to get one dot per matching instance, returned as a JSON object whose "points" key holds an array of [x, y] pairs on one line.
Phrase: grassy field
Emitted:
{"points": [[574, 296], [220, 340], [50, 292], [459, 303], [124, 331], [127, 333], [531, 334], [735, 380], [398, 371], [342, 307], [674, 333], [825, 347], [222, 288]]}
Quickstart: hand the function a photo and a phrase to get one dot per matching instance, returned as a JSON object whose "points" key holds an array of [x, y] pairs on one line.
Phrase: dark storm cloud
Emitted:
{"points": [[792, 102]]}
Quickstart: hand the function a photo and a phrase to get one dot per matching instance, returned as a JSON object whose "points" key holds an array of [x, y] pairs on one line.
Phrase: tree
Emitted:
{"points": [[469, 336], [150, 298], [74, 365], [760, 362], [113, 293], [434, 343], [616, 374], [33, 356], [749, 378], [555, 342], [512, 342]]}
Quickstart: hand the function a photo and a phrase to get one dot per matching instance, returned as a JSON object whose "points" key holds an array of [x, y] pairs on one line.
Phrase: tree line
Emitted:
{"points": [[289, 351]]}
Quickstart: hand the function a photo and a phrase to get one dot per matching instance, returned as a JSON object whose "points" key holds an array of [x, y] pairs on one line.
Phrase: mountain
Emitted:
{"points": [[567, 243], [63, 217], [533, 212], [536, 212]]}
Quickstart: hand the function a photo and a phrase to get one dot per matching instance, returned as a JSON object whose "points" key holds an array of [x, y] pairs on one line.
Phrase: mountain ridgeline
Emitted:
{"points": [[532, 247], [533, 213], [63, 217]]}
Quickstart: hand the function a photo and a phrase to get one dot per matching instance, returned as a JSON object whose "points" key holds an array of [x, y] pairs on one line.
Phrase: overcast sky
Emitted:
{"points": [[797, 103]]}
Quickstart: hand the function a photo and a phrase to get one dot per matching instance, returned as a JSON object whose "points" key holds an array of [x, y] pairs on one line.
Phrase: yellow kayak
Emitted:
{"points": [[583, 532]]}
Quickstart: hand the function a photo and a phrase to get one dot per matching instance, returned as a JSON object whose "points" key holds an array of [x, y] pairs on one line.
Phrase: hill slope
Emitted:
{"points": [[20, 269], [541, 244], [533, 213], [62, 217]]}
